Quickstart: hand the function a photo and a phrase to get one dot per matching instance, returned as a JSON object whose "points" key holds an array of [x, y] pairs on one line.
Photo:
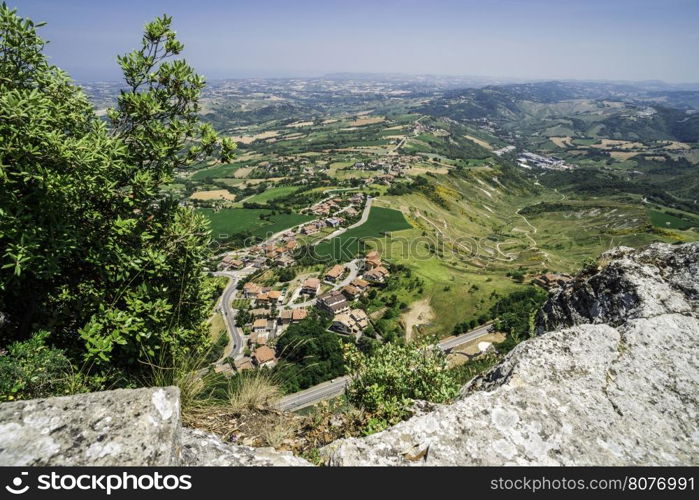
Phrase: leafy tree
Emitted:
{"points": [[89, 249], [310, 354], [515, 314], [386, 382]]}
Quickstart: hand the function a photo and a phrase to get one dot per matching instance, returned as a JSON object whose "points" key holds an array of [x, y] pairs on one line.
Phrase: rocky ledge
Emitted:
{"points": [[616, 383], [138, 427]]}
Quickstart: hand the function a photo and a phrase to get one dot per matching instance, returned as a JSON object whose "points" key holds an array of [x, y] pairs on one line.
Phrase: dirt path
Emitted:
{"points": [[420, 313]]}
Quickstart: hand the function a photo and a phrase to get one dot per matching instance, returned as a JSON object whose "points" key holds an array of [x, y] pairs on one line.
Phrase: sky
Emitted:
{"points": [[534, 39]]}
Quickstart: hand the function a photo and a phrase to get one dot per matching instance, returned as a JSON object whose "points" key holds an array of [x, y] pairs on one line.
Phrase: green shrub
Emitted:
{"points": [[32, 369], [386, 383]]}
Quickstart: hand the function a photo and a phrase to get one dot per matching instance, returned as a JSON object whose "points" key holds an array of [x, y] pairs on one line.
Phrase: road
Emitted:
{"points": [[452, 342], [335, 387], [235, 338], [312, 395]]}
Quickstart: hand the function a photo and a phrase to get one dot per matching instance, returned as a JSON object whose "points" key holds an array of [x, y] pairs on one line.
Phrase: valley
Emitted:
{"points": [[475, 193]]}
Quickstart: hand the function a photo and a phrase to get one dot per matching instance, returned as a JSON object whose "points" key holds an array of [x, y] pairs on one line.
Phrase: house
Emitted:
{"points": [[334, 221], [285, 316], [353, 322], [310, 286], [372, 260], [251, 290], [377, 275], [259, 262], [288, 316], [360, 318], [291, 245], [264, 356], [230, 262], [322, 209], [298, 314], [284, 261], [335, 273], [360, 284], [351, 211], [260, 326], [259, 338], [351, 292], [333, 303], [274, 296], [244, 363], [260, 313], [309, 229]]}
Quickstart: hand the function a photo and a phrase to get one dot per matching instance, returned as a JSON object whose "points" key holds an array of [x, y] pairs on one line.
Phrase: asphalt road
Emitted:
{"points": [[235, 338], [452, 342], [335, 387]]}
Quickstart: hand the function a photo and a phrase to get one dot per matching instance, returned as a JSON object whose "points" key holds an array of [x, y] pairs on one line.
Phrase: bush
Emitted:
{"points": [[386, 383], [32, 369]]}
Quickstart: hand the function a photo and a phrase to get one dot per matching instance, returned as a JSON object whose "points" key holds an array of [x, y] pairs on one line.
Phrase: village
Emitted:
{"points": [[260, 314]]}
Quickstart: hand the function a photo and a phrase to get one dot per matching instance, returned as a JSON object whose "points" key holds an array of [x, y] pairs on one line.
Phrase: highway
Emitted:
{"points": [[335, 387]]}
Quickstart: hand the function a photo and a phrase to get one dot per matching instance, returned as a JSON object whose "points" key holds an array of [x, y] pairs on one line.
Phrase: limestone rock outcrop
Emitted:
{"points": [[137, 427]]}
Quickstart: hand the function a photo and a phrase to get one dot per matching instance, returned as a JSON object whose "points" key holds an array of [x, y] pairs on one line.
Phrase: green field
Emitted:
{"points": [[217, 171], [347, 245], [273, 193], [664, 219], [230, 221]]}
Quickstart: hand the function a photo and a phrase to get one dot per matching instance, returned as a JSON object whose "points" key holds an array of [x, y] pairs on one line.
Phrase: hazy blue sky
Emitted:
{"points": [[584, 39]]}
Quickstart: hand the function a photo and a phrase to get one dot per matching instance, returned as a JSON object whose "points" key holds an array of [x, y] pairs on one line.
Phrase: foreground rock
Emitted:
{"points": [[617, 386], [139, 427], [200, 448]]}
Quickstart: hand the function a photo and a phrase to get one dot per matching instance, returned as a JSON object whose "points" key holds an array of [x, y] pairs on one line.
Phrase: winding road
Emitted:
{"points": [[235, 338]]}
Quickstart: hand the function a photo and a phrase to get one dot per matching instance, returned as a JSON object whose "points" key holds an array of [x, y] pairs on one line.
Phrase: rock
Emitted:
{"points": [[122, 427], [618, 387], [139, 427], [632, 284], [203, 449]]}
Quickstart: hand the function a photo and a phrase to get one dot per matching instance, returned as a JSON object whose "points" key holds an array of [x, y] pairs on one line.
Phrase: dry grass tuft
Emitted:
{"points": [[255, 390]]}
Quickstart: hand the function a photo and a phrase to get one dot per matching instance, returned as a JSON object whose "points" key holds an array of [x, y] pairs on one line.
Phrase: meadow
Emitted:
{"points": [[218, 171], [229, 221], [345, 246], [667, 220], [273, 193]]}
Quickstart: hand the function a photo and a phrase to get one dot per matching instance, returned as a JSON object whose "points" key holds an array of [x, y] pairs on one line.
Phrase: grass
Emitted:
{"points": [[380, 222], [668, 220], [229, 221], [216, 326], [273, 193], [226, 170], [254, 390]]}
